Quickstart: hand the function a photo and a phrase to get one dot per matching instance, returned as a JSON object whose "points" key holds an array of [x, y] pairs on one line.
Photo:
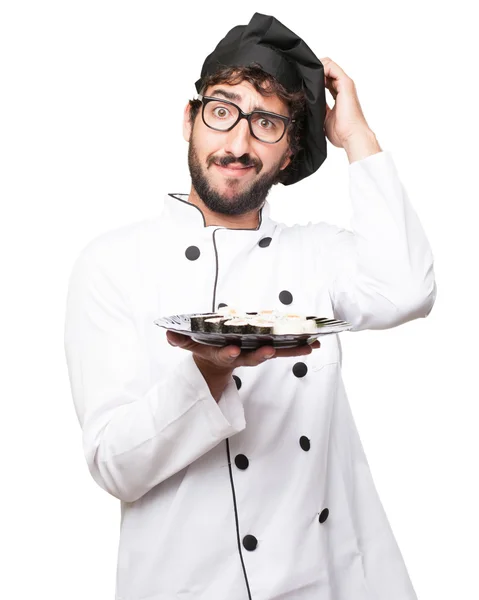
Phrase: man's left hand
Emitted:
{"points": [[346, 119]]}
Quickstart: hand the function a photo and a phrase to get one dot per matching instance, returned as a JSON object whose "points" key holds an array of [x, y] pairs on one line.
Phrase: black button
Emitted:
{"points": [[241, 462], [304, 443], [286, 297], [237, 381], [324, 515], [192, 252], [265, 242], [221, 304], [300, 369], [250, 542]]}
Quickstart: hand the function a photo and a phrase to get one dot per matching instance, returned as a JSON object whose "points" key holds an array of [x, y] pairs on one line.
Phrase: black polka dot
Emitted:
{"points": [[265, 242], [241, 461], [286, 297], [324, 515], [237, 381], [304, 443], [221, 304], [250, 542], [192, 252], [300, 369]]}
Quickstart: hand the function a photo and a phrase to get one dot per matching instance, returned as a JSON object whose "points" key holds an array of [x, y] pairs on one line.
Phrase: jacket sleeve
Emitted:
{"points": [[380, 274], [135, 434]]}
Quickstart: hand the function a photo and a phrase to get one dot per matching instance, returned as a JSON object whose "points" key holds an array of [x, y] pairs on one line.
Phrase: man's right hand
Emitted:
{"points": [[218, 363]]}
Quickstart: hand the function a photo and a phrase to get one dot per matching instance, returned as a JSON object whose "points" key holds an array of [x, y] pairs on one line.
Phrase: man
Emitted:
{"points": [[237, 482]]}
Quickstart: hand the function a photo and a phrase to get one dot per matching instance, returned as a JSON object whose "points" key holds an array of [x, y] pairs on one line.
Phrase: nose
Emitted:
{"points": [[238, 140]]}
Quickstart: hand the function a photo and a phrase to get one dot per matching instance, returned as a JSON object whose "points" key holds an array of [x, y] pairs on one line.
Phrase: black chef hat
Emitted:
{"points": [[282, 54]]}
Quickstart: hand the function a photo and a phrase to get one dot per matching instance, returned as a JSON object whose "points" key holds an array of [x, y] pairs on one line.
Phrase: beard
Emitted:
{"points": [[232, 203]]}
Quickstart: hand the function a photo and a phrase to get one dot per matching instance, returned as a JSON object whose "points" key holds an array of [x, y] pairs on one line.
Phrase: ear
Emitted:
{"points": [[286, 161], [187, 123]]}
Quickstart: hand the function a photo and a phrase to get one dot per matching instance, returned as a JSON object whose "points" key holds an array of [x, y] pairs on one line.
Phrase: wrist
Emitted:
{"points": [[216, 378], [209, 369], [361, 144]]}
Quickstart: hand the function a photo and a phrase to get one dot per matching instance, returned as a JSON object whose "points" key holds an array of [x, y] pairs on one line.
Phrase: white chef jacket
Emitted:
{"points": [[266, 494]]}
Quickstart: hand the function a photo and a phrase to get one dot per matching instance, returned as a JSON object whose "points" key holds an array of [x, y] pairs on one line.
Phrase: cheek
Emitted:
{"points": [[274, 159], [207, 145]]}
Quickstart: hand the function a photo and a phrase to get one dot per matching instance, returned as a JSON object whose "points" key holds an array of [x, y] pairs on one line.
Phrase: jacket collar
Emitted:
{"points": [[177, 208]]}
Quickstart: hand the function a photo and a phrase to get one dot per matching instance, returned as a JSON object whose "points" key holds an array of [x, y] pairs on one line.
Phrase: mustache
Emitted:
{"points": [[245, 161]]}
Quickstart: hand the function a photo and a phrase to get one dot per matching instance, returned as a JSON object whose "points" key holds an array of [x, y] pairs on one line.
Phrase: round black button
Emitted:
{"points": [[286, 297], [304, 443], [300, 369], [265, 242], [221, 304], [237, 381], [324, 515], [241, 462], [250, 542], [192, 252]]}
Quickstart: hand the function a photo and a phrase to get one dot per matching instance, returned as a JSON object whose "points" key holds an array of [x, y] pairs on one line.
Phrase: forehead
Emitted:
{"points": [[245, 95]]}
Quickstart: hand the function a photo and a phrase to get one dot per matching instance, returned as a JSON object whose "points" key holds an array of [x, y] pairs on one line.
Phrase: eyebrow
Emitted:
{"points": [[235, 98]]}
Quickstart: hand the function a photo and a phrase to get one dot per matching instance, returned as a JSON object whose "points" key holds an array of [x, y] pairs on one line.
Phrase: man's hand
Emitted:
{"points": [[345, 125], [217, 364]]}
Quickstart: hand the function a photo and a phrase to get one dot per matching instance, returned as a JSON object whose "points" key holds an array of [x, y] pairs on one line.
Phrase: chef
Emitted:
{"points": [[242, 476]]}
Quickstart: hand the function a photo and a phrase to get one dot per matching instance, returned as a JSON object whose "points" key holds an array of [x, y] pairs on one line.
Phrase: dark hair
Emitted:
{"points": [[266, 85]]}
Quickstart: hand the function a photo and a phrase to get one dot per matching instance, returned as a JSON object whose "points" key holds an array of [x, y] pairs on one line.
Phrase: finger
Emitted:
{"points": [[186, 343], [335, 79], [331, 86], [332, 69], [297, 351], [289, 352], [176, 339], [227, 355], [253, 358]]}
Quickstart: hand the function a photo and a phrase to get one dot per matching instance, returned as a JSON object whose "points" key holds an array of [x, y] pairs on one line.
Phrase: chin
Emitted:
{"points": [[232, 191]]}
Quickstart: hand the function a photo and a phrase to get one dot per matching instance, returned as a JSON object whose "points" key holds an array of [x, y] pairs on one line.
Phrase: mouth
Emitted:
{"points": [[234, 171]]}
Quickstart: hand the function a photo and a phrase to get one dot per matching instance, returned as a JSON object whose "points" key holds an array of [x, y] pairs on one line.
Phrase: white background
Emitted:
{"points": [[91, 106]]}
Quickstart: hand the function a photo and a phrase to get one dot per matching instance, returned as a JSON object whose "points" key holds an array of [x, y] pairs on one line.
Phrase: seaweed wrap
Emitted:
{"points": [[262, 326], [214, 324], [197, 322], [236, 326]]}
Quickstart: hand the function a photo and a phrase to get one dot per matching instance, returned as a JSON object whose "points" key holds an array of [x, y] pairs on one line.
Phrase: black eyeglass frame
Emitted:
{"points": [[243, 115]]}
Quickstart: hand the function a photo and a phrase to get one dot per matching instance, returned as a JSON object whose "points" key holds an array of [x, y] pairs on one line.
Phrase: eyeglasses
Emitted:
{"points": [[223, 115]]}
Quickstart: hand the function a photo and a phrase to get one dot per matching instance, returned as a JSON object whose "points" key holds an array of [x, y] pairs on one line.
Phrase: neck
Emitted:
{"points": [[247, 221]]}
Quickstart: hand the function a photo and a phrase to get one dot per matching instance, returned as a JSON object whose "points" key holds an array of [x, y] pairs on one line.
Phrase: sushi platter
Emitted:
{"points": [[250, 330]]}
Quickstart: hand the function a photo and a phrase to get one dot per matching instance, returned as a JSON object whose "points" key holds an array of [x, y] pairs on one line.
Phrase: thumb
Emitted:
{"points": [[175, 339], [227, 354]]}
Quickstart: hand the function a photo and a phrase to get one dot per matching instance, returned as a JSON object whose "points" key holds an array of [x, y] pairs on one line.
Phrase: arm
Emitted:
{"points": [[136, 433], [381, 273]]}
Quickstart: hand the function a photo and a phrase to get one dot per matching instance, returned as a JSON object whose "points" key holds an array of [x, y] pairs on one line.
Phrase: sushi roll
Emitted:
{"points": [[269, 314], [309, 325], [227, 311], [236, 326], [261, 326], [289, 324], [214, 324], [197, 322]]}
